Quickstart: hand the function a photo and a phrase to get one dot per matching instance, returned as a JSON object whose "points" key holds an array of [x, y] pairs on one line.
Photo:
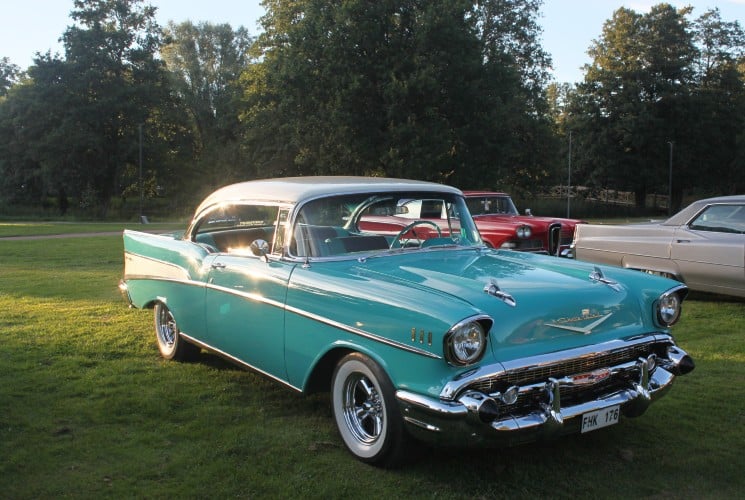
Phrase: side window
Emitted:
{"points": [[721, 219], [232, 228]]}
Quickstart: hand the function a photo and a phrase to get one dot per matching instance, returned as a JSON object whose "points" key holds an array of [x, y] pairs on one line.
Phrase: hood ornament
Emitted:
{"points": [[598, 276], [492, 289]]}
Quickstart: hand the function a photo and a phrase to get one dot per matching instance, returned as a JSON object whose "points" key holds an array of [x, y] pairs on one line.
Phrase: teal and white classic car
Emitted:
{"points": [[418, 330]]}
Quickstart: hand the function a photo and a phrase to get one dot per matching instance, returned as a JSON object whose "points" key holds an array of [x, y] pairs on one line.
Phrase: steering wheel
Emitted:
{"points": [[397, 243]]}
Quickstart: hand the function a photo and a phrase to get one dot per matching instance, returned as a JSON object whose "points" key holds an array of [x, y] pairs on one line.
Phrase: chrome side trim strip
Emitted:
{"points": [[321, 319], [362, 333], [237, 361], [246, 295], [139, 265], [326, 321], [137, 277]]}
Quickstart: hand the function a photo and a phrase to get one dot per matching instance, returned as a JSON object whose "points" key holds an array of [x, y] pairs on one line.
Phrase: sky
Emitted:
{"points": [[569, 26]]}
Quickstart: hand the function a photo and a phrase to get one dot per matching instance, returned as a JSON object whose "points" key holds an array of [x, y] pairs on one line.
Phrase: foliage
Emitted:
{"points": [[73, 125], [9, 74], [205, 62], [454, 91], [433, 90], [662, 89], [91, 411]]}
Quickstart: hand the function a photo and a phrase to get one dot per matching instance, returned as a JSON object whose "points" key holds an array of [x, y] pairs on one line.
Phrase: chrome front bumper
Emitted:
{"points": [[472, 417]]}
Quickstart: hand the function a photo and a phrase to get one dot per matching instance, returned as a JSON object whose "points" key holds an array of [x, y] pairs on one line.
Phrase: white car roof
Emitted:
{"points": [[293, 190]]}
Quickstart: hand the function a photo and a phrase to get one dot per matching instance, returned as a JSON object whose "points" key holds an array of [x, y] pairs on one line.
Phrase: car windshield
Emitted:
{"points": [[381, 222], [486, 205]]}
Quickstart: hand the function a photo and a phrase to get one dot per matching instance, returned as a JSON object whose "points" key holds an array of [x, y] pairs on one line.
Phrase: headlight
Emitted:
{"points": [[465, 343], [524, 232], [669, 306]]}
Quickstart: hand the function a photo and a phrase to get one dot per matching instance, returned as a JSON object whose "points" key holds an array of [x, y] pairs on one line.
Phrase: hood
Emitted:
{"points": [[557, 305]]}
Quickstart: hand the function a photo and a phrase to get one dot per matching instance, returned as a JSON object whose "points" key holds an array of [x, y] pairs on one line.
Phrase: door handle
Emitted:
{"points": [[682, 241]]}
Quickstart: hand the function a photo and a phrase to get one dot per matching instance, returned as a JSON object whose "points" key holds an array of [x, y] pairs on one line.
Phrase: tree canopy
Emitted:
{"points": [[439, 89], [663, 89], [454, 91]]}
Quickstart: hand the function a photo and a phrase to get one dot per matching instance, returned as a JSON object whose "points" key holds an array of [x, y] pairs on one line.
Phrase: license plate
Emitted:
{"points": [[600, 418]]}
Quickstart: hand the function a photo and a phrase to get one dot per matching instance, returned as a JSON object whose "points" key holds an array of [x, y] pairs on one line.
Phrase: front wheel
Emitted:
{"points": [[170, 343], [366, 411]]}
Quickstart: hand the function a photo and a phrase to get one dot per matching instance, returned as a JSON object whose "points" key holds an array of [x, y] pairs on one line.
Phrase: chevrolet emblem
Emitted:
{"points": [[563, 323]]}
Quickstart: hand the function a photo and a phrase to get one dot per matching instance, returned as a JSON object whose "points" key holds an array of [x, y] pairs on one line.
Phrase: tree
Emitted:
{"points": [[420, 89], [658, 79], [718, 104], [9, 75], [78, 117], [630, 100], [205, 62]]}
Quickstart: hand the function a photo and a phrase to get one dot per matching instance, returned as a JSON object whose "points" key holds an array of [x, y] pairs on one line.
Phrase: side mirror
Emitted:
{"points": [[259, 248], [528, 212]]}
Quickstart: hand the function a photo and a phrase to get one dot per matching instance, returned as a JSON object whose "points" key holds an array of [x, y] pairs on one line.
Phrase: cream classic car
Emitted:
{"points": [[703, 245]]}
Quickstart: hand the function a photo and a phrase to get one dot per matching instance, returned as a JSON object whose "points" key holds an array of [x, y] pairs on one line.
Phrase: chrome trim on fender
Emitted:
{"points": [[139, 265], [362, 333], [237, 361], [326, 321], [274, 303]]}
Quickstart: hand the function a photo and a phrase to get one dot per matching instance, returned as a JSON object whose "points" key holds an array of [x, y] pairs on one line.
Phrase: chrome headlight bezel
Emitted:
{"points": [[669, 305], [465, 343]]}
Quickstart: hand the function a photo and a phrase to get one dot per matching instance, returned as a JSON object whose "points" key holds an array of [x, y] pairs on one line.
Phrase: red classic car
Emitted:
{"points": [[502, 226]]}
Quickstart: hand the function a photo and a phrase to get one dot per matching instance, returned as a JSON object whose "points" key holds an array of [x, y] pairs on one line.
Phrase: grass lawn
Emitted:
{"points": [[8, 228], [88, 409]]}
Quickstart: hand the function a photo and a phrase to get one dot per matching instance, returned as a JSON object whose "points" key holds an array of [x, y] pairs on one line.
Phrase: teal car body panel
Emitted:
{"points": [[295, 304]]}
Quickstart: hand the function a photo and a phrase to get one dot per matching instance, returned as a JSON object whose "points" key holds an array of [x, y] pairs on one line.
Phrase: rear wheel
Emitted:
{"points": [[366, 411], [170, 343]]}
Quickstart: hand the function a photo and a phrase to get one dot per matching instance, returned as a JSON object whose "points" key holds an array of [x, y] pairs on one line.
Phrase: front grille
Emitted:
{"points": [[535, 374], [540, 374], [529, 402], [554, 238], [527, 245]]}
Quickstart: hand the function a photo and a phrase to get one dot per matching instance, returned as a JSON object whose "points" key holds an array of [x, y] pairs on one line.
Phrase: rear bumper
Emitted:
{"points": [[473, 419]]}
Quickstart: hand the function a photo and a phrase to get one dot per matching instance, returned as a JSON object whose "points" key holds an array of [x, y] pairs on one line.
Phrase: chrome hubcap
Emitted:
{"points": [[363, 409], [166, 327]]}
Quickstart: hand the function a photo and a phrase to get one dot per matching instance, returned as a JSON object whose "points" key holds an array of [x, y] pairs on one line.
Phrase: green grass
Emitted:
{"points": [[52, 228], [89, 410]]}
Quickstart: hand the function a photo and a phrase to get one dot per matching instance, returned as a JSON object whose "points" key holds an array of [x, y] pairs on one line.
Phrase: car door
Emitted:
{"points": [[709, 251], [246, 288], [244, 310]]}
